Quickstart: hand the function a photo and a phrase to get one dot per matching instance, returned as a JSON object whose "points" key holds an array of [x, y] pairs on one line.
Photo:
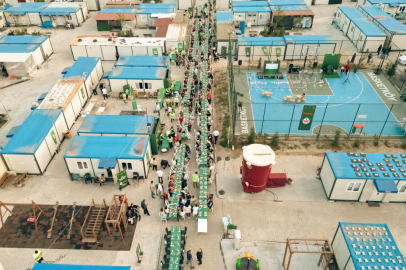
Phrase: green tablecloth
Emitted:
{"points": [[175, 248], [174, 202]]}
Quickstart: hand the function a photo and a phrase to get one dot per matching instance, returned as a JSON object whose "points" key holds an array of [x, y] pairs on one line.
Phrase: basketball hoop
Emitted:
{"points": [[310, 54]]}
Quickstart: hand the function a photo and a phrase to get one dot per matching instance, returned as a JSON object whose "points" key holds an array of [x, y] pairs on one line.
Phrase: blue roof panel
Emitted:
{"points": [[18, 48], [249, 4], [59, 11], [291, 7], [362, 22], [155, 8], [310, 39], [118, 10], [286, 2], [224, 16], [23, 8], [261, 41], [386, 21], [83, 65], [135, 73], [251, 9], [376, 2], [143, 61], [32, 132], [23, 39], [116, 124], [43, 266], [385, 186], [107, 147], [378, 166], [372, 246]]}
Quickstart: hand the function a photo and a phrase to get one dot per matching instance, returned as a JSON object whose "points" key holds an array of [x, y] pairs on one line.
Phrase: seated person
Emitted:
{"points": [[101, 179], [164, 163]]}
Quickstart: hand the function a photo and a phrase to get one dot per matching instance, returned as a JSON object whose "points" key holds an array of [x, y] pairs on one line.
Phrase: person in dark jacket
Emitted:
{"points": [[144, 207], [189, 259], [199, 255]]}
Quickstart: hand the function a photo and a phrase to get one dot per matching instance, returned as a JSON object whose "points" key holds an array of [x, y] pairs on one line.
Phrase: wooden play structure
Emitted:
{"points": [[49, 232], [294, 99], [36, 212], [71, 221], [309, 246], [7, 178], [116, 215], [3, 212], [93, 222], [267, 94]]}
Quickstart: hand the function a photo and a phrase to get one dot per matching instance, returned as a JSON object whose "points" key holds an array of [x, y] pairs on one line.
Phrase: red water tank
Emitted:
{"points": [[257, 162]]}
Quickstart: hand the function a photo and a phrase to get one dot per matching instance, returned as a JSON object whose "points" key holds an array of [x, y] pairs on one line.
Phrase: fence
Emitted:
{"points": [[378, 119]]}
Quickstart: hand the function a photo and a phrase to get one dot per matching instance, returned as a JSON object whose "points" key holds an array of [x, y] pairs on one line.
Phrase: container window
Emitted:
{"points": [[402, 189], [130, 166], [82, 165], [124, 165], [140, 86], [354, 187]]}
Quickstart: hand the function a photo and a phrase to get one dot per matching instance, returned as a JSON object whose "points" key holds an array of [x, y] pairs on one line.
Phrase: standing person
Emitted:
{"points": [[353, 57], [38, 256], [160, 190], [154, 164], [152, 188], [160, 174], [210, 203], [104, 92], [379, 49], [158, 108], [216, 134], [176, 100], [199, 255], [189, 259], [240, 105], [94, 90], [369, 57], [347, 68], [144, 206], [124, 97], [117, 56], [209, 97], [170, 141], [172, 116], [181, 119], [188, 210], [195, 179]]}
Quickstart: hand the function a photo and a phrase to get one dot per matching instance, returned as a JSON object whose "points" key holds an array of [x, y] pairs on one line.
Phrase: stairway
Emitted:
{"points": [[93, 223]]}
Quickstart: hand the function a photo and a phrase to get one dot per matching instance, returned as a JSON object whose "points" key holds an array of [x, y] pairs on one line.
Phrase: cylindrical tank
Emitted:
{"points": [[257, 162]]}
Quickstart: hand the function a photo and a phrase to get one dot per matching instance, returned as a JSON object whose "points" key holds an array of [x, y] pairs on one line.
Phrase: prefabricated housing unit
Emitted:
{"points": [[88, 68], [123, 125], [44, 42], [108, 155], [359, 246], [143, 61], [225, 32], [317, 45], [25, 14], [148, 13], [362, 32], [103, 47], [63, 12], [145, 79], [266, 48], [291, 10], [176, 37], [111, 18], [184, 4], [364, 177], [36, 141], [140, 46], [68, 95], [396, 8], [394, 30], [254, 13]]}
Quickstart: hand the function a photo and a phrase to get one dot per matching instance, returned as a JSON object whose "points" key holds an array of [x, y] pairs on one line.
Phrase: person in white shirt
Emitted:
{"points": [[160, 174], [160, 190], [104, 92], [101, 179], [188, 210], [216, 134], [195, 211]]}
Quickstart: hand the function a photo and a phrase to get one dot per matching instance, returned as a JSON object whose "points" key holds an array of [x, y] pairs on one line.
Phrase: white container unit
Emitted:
{"points": [[40, 46], [364, 177], [148, 13], [362, 32], [253, 13], [140, 46], [108, 155], [61, 12], [35, 143], [88, 68], [94, 46], [70, 96], [25, 14], [176, 34], [274, 48]]}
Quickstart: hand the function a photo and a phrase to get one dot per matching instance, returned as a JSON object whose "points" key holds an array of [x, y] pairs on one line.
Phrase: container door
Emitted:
{"points": [[376, 196]]}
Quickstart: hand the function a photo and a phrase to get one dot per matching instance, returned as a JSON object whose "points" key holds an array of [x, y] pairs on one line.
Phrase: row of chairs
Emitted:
{"points": [[167, 240]]}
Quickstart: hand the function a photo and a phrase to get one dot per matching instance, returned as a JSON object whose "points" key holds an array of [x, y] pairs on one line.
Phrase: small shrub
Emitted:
{"points": [[336, 141], [259, 63], [386, 142], [251, 137], [275, 141], [356, 143], [403, 145], [317, 136], [376, 140], [306, 144]]}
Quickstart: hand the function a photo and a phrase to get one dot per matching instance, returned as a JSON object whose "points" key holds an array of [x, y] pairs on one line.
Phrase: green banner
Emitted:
{"points": [[155, 52], [53, 135], [265, 50], [223, 51], [248, 51], [307, 117], [122, 179], [271, 67], [180, 46], [83, 93], [278, 52]]}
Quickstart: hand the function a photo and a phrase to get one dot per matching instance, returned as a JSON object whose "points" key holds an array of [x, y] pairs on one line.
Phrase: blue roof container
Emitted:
{"points": [[82, 66], [43, 266], [249, 4], [224, 16], [362, 22], [116, 124], [118, 10], [32, 132], [261, 41], [152, 73], [143, 61], [59, 11], [310, 39], [107, 147], [286, 2], [23, 39], [23, 8], [386, 21], [155, 8], [18, 48]]}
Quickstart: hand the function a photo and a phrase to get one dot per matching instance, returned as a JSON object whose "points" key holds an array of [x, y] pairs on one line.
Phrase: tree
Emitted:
{"points": [[392, 69], [121, 19], [273, 29], [259, 63]]}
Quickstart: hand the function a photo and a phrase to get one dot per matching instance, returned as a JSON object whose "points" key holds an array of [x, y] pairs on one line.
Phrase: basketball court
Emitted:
{"points": [[363, 99]]}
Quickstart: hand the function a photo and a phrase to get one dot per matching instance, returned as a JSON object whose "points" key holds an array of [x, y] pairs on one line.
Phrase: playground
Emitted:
{"points": [[356, 103]]}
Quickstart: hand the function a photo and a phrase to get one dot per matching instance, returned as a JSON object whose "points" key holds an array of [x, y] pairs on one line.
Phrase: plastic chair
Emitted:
{"points": [[164, 265], [136, 176], [76, 177], [88, 177]]}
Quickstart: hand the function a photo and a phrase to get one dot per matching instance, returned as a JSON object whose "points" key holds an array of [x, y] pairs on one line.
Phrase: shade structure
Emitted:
{"points": [[385, 186], [107, 163]]}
